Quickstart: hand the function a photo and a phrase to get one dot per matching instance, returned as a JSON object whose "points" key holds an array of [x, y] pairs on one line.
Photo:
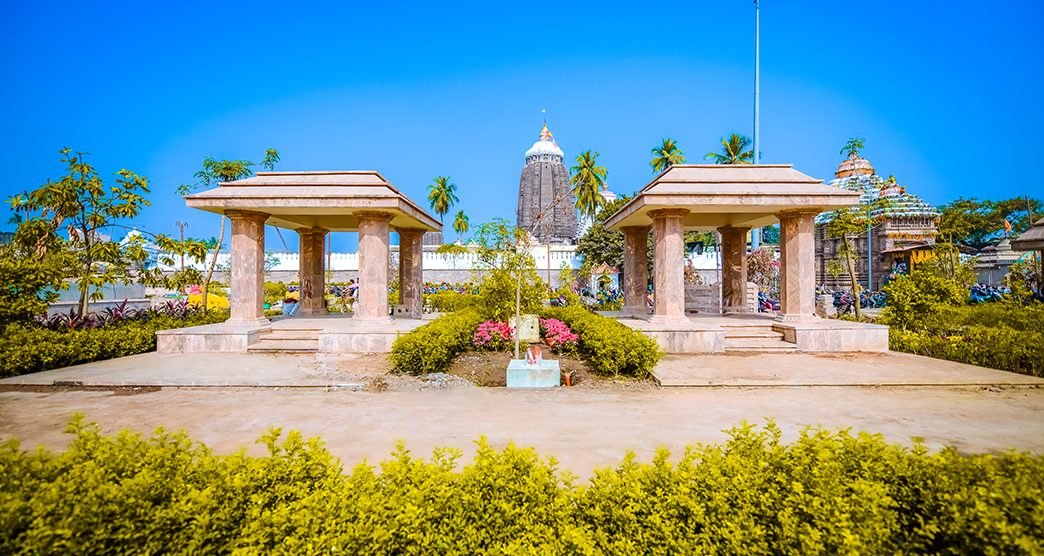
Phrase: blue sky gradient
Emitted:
{"points": [[944, 92]]}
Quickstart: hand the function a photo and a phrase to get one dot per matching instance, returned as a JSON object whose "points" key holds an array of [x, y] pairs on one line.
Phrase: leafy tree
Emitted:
{"points": [[460, 224], [442, 194], [599, 245], [978, 223], [846, 224], [30, 283], [665, 155], [82, 204], [511, 285], [215, 172], [770, 234], [733, 151], [588, 179], [853, 146], [175, 250]]}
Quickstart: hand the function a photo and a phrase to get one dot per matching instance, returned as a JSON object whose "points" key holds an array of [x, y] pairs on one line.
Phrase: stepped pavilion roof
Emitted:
{"points": [[327, 200]]}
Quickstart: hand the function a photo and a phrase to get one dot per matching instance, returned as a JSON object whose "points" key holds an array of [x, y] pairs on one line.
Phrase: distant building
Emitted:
{"points": [[905, 237], [546, 205]]}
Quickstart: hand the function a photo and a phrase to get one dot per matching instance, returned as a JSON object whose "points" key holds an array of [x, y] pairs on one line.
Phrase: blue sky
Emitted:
{"points": [[944, 92]]}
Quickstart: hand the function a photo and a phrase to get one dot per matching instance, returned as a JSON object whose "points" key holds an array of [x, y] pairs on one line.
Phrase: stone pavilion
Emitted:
{"points": [[732, 199], [313, 204]]}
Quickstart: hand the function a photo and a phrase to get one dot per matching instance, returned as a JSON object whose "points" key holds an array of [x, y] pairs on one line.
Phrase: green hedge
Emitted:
{"points": [[31, 348], [608, 346], [431, 348], [997, 347], [448, 301], [827, 493]]}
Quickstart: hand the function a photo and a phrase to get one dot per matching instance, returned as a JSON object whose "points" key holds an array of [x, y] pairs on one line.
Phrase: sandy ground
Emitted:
{"points": [[582, 428]]}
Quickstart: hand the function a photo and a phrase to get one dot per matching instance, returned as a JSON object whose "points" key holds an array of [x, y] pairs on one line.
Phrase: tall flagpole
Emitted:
{"points": [[755, 235]]}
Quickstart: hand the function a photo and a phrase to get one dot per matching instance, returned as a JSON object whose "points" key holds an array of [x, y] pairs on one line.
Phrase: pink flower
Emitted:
{"points": [[557, 334], [493, 335]]}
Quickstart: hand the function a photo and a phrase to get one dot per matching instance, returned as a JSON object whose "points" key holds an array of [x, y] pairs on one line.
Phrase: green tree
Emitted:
{"points": [[81, 203], [588, 179], [215, 172], [733, 151], [665, 155], [460, 224], [31, 283], [601, 246], [853, 146], [442, 194], [847, 224], [171, 253], [510, 285]]}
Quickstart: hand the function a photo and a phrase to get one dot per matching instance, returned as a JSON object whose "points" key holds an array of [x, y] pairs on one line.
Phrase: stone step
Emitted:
{"points": [[758, 344], [292, 334], [287, 345], [752, 333]]}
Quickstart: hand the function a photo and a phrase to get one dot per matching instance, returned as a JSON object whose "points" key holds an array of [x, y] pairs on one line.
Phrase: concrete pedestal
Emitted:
{"points": [[520, 374]]}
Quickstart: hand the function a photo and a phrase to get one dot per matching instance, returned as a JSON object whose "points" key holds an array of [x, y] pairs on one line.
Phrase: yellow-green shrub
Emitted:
{"points": [[431, 348], [608, 346], [827, 493], [31, 348], [997, 347], [448, 301]]}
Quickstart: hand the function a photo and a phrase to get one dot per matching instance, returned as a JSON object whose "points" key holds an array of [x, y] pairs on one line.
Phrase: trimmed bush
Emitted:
{"points": [[998, 347], [609, 347], [431, 348], [31, 348], [448, 301], [827, 493]]}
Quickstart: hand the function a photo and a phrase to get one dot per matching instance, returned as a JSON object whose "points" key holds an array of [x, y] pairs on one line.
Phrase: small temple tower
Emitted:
{"points": [[903, 236], [546, 205]]}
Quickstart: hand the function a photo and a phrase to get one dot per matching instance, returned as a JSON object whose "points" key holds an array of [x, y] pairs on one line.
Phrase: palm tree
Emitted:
{"points": [[667, 154], [733, 151], [460, 224], [853, 146], [442, 195], [588, 182]]}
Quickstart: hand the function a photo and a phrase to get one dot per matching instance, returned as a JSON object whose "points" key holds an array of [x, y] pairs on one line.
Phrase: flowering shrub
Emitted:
{"points": [[493, 335], [558, 336]]}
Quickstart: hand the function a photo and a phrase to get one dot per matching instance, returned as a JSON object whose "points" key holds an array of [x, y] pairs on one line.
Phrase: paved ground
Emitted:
{"points": [[582, 427], [864, 369], [353, 370]]}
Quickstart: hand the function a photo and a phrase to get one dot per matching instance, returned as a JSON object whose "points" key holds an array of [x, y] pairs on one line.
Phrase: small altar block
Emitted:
{"points": [[522, 374]]}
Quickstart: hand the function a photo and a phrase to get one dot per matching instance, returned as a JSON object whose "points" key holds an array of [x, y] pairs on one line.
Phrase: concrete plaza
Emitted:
{"points": [[228, 400]]}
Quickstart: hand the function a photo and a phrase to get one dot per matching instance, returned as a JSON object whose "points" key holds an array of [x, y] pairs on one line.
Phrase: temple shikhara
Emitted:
{"points": [[903, 235], [546, 205]]}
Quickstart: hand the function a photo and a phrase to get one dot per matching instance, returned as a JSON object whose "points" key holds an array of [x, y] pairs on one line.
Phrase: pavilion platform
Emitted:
{"points": [[333, 333], [761, 333]]}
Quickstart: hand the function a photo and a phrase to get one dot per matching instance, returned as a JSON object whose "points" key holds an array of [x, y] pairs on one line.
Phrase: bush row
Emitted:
{"points": [[827, 493], [31, 348], [998, 347], [448, 301], [431, 348], [608, 346]]}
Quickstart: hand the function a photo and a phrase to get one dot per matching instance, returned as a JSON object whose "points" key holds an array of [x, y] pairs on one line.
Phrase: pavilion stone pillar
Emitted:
{"points": [[636, 271], [668, 266], [313, 281], [734, 269], [373, 266], [797, 248], [247, 289], [411, 271]]}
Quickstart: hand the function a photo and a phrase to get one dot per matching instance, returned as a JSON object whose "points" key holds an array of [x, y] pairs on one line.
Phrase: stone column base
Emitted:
{"points": [[662, 319], [248, 323]]}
